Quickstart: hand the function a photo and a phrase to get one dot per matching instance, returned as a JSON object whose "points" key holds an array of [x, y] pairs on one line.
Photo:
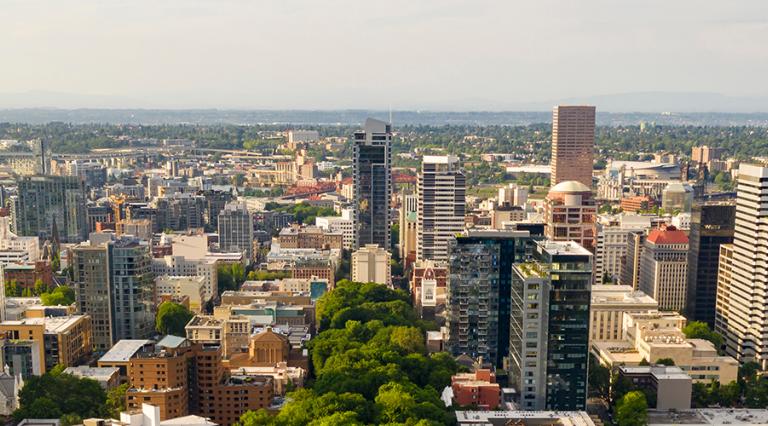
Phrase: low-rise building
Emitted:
{"points": [[654, 335], [478, 388], [191, 287], [62, 340], [670, 384], [609, 305], [107, 377], [231, 332]]}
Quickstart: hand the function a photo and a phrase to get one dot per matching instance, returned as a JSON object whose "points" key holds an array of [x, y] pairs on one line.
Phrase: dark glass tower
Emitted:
{"points": [[479, 291], [373, 184], [712, 224], [549, 327]]}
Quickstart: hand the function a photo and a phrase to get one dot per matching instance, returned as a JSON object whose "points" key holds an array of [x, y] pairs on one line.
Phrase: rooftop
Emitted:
{"points": [[564, 418], [570, 186], [124, 350], [708, 416], [670, 235], [96, 373]]}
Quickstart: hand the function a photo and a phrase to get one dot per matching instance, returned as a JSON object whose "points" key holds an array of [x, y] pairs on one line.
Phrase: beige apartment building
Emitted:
{"points": [[610, 303], [655, 335]]}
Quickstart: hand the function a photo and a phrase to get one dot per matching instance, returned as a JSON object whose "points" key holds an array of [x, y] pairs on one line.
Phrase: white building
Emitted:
{"points": [[441, 190], [741, 316], [339, 224], [513, 194], [192, 287], [12, 242], [612, 241], [371, 264], [609, 305], [176, 266]]}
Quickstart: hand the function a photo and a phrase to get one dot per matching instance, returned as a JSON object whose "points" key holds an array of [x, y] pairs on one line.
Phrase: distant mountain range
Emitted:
{"points": [[693, 108]]}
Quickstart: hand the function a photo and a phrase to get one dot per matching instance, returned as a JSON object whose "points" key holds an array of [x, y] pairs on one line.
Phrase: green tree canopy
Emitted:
{"points": [[171, 319], [632, 410], [700, 330], [61, 295], [53, 396]]}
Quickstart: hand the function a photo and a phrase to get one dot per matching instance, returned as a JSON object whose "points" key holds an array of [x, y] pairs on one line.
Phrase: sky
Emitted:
{"points": [[403, 54]]}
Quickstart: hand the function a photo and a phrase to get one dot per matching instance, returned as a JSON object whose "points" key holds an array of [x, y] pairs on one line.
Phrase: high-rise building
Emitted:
{"points": [[479, 290], [549, 327], [372, 184], [745, 324], [569, 214], [664, 268], [704, 154], [441, 206], [573, 142], [630, 263], [48, 203], [613, 233], [181, 211], [42, 151], [370, 264], [114, 284], [408, 223], [711, 226], [217, 200], [236, 230]]}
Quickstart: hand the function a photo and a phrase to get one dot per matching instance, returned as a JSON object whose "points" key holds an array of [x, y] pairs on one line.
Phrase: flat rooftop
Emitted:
{"points": [[96, 373], [564, 418], [708, 416], [124, 350]]}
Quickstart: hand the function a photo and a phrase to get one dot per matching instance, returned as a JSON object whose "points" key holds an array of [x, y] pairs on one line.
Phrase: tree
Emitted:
{"points": [[55, 395], [70, 420], [599, 378], [632, 410], [61, 295], [116, 400], [172, 318], [665, 361], [700, 330], [40, 287]]}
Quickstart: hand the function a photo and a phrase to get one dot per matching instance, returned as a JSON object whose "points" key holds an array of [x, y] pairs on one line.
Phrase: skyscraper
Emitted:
{"points": [[478, 292], [741, 317], [441, 206], [372, 184], [573, 142], [114, 285], [236, 229], [45, 202], [664, 268], [711, 226], [549, 327]]}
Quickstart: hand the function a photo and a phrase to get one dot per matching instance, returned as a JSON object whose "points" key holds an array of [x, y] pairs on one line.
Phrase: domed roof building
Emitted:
{"points": [[570, 212]]}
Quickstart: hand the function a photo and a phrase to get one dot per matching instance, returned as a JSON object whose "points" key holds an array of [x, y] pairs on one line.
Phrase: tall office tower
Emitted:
{"points": [[549, 327], [478, 292], [42, 151], [134, 288], [372, 184], [745, 327], [723, 299], [45, 202], [91, 271], [573, 143], [441, 208], [569, 214], [217, 200], [630, 263], [408, 224], [114, 285], [664, 268], [613, 233], [236, 229], [711, 226]]}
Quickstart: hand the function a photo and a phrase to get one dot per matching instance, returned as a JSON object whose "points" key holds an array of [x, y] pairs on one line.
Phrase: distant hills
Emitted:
{"points": [[693, 108]]}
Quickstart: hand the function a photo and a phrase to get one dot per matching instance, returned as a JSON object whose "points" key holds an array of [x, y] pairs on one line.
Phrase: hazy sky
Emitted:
{"points": [[410, 54]]}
